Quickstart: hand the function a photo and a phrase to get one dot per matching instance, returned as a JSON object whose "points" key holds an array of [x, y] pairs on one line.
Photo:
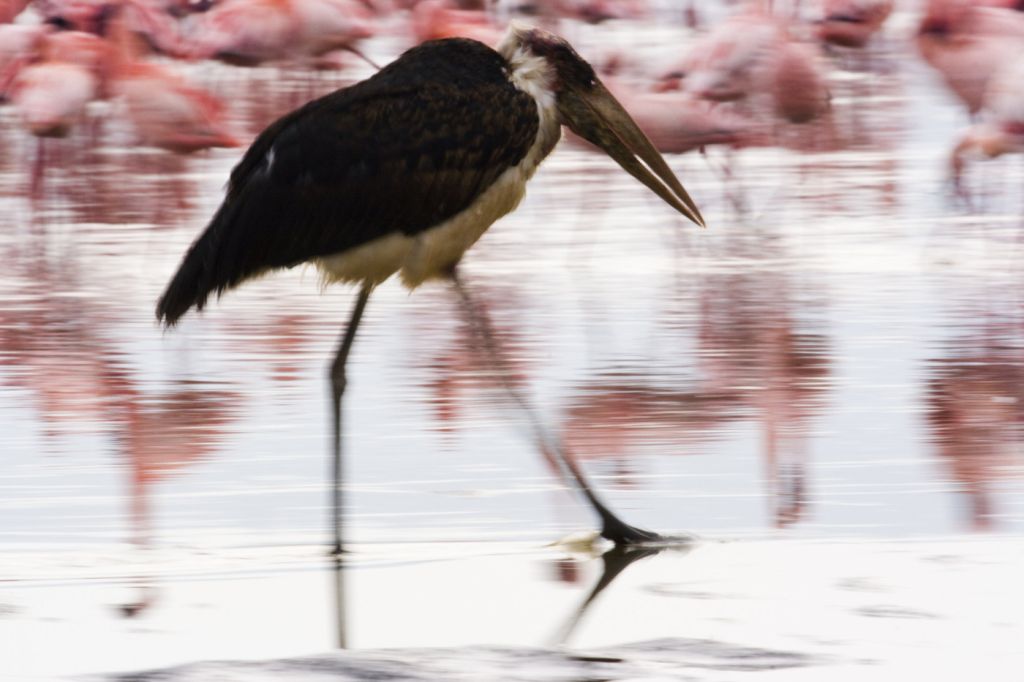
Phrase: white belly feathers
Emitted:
{"points": [[431, 253]]}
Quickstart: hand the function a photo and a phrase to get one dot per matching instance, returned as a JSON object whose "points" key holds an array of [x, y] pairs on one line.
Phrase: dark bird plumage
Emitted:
{"points": [[397, 153], [403, 173]]}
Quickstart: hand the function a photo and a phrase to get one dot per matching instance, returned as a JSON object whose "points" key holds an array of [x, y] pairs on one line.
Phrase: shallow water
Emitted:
{"points": [[836, 361]]}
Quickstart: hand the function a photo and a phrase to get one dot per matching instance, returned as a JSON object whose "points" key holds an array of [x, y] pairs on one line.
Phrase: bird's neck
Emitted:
{"points": [[533, 75], [530, 73]]}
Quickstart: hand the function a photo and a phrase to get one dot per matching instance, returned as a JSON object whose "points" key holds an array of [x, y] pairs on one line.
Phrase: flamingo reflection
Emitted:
{"points": [[60, 351], [461, 370], [975, 414], [159, 437], [757, 341], [759, 357], [281, 341], [615, 417]]}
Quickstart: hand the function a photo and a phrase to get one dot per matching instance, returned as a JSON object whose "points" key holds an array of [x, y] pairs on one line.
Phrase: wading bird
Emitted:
{"points": [[402, 173]]}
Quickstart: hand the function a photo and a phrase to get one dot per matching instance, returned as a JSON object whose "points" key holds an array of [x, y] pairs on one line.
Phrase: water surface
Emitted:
{"points": [[836, 363]]}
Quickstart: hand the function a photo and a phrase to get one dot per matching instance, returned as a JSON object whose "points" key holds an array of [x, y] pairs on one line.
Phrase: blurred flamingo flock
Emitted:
{"points": [[750, 77], [811, 78], [840, 355]]}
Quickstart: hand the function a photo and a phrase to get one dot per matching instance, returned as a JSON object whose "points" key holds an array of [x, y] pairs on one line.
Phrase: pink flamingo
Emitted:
{"points": [[590, 11], [155, 24], [676, 122], [51, 94], [250, 32], [10, 9], [329, 25], [19, 45], [751, 56], [168, 112], [1002, 132], [82, 49], [852, 23], [245, 32], [967, 44], [78, 15], [726, 64], [433, 19], [797, 83], [165, 109]]}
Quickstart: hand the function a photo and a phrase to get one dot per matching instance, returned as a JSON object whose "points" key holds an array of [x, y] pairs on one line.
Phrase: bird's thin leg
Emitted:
{"points": [[338, 382], [612, 527]]}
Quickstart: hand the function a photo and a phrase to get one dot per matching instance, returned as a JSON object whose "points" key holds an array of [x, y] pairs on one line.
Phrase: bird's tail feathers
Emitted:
{"points": [[200, 273]]}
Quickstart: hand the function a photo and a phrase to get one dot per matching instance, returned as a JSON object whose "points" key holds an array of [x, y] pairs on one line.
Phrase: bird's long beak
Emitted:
{"points": [[595, 115]]}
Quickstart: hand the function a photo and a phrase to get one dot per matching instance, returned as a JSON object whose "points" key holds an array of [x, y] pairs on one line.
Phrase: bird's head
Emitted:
{"points": [[586, 106]]}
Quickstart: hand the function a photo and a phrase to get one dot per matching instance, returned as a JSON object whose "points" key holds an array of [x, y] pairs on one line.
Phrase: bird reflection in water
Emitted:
{"points": [[107, 188], [617, 415], [281, 342], [975, 414], [54, 347], [460, 372], [158, 437], [464, 376], [613, 563], [60, 351], [760, 344], [92, 186], [760, 356]]}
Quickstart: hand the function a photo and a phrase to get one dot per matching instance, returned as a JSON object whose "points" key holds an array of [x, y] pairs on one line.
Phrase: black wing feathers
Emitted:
{"points": [[400, 152]]}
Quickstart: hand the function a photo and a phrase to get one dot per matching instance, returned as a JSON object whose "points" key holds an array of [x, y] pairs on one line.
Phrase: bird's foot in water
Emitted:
{"points": [[624, 534]]}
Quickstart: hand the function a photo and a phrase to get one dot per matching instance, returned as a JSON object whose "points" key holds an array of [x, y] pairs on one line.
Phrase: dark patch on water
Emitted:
{"points": [[885, 611], [660, 659]]}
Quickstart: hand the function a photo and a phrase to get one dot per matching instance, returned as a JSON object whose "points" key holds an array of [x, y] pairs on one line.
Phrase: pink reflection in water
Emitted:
{"points": [[976, 416], [755, 337], [757, 360], [60, 350], [461, 371]]}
